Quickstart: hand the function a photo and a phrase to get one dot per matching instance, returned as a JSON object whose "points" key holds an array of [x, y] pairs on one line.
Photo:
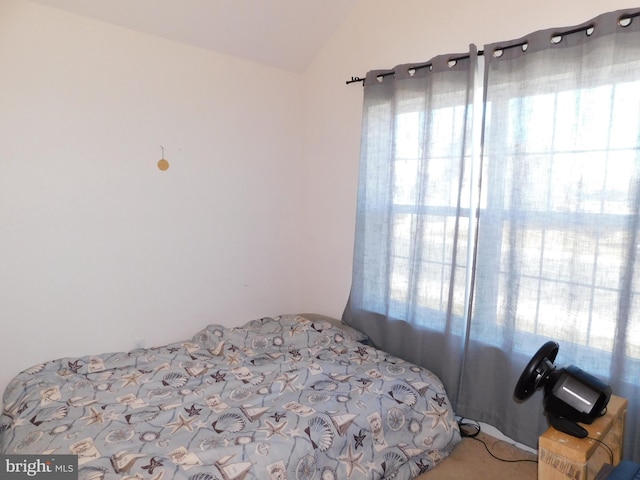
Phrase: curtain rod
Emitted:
{"points": [[413, 67], [584, 28]]}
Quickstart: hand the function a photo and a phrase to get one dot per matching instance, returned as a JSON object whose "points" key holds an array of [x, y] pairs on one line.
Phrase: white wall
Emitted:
{"points": [[383, 34], [98, 247]]}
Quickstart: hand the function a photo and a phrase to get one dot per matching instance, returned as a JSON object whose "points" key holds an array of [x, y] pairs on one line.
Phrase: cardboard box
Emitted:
{"points": [[562, 457]]}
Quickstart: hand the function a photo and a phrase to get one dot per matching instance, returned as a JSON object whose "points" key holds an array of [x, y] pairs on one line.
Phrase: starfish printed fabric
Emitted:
{"points": [[282, 397]]}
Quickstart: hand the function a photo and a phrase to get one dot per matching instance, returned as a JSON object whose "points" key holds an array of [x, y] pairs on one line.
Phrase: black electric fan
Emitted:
{"points": [[570, 394]]}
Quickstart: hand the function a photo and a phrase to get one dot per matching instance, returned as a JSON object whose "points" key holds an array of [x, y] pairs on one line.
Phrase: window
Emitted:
{"points": [[431, 204], [424, 210], [563, 209]]}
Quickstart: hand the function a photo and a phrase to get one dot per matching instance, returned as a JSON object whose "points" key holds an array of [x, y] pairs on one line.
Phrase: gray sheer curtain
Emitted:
{"points": [[558, 208], [410, 271]]}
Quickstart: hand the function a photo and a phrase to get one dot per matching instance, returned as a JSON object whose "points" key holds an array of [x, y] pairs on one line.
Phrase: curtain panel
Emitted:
{"points": [[410, 269], [543, 150]]}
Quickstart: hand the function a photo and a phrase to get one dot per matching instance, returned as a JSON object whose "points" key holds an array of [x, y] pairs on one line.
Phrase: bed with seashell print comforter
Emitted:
{"points": [[278, 398]]}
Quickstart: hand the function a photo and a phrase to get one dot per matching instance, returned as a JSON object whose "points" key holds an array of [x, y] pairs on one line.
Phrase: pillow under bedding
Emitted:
{"points": [[349, 332]]}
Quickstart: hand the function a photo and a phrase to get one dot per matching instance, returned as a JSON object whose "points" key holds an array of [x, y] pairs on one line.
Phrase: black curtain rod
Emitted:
{"points": [[355, 80], [585, 28], [413, 67]]}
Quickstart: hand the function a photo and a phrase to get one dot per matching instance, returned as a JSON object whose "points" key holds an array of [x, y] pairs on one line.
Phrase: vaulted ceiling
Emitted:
{"points": [[285, 34]]}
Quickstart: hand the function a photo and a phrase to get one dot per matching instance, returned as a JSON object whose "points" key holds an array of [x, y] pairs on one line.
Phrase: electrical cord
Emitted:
{"points": [[606, 447], [468, 428], [471, 429]]}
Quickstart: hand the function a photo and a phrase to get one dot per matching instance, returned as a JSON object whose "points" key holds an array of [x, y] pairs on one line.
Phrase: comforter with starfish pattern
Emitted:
{"points": [[278, 398]]}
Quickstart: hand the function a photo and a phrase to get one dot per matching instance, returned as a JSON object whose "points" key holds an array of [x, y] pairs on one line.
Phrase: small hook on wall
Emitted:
{"points": [[162, 163]]}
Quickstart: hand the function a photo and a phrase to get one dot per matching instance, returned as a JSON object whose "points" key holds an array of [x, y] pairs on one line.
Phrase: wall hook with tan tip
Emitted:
{"points": [[163, 164]]}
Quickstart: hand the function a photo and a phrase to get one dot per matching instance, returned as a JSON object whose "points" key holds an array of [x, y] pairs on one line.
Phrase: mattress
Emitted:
{"points": [[283, 397]]}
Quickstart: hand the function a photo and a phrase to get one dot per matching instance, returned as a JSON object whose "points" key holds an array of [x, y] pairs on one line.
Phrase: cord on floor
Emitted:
{"points": [[471, 429]]}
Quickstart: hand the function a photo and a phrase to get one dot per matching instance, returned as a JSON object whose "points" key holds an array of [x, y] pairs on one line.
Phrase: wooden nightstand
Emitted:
{"points": [[561, 456]]}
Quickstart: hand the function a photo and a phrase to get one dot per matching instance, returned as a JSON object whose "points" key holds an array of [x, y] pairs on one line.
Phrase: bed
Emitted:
{"points": [[289, 397]]}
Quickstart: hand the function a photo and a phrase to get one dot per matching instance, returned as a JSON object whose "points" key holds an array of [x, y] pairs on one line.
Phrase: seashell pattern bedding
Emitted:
{"points": [[278, 398]]}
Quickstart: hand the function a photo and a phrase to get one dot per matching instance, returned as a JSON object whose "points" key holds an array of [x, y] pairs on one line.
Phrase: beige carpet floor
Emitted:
{"points": [[470, 460]]}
